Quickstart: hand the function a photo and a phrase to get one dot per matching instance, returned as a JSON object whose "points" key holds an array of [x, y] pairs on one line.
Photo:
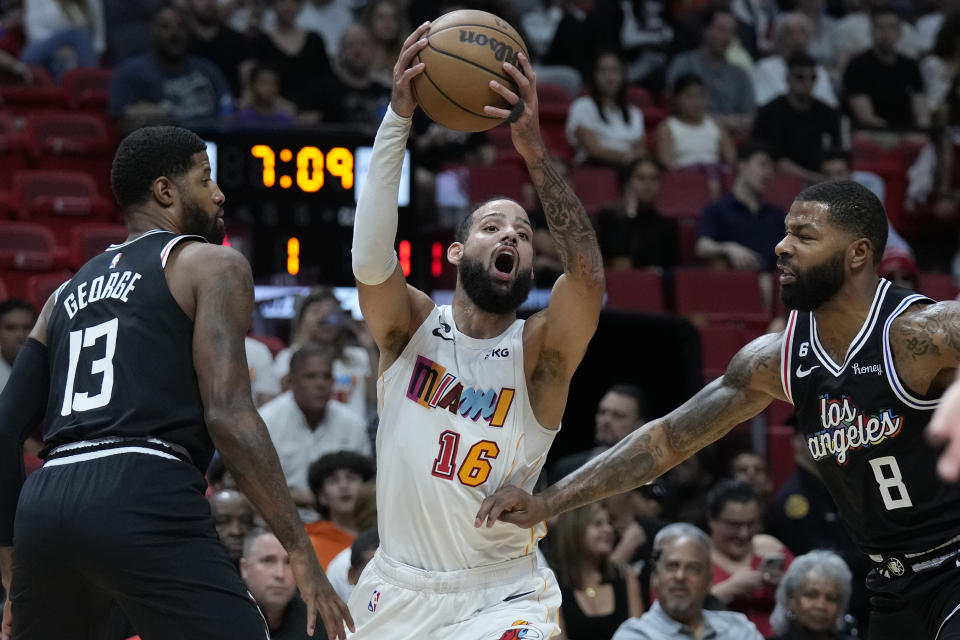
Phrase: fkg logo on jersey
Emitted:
{"points": [[845, 428], [433, 387]]}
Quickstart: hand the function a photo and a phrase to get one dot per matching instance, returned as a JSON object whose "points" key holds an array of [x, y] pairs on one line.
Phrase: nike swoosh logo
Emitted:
{"points": [[437, 333], [803, 373], [517, 595]]}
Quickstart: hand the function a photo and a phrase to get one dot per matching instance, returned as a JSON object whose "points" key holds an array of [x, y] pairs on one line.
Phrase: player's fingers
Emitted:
{"points": [[332, 622], [527, 69], [498, 508], [415, 70], [406, 57], [504, 91], [522, 82], [345, 616], [311, 614], [496, 112], [416, 35]]}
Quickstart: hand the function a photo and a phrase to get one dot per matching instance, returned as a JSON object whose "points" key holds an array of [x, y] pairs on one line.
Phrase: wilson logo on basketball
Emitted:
{"points": [[501, 50]]}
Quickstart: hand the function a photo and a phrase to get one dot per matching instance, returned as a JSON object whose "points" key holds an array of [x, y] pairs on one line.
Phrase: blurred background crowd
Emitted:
{"points": [[685, 126]]}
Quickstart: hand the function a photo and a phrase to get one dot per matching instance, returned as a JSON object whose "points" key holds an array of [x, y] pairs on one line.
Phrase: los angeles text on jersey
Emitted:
{"points": [[433, 387], [116, 286], [846, 428]]}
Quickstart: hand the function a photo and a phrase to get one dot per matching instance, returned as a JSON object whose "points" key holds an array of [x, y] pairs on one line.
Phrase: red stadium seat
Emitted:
{"points": [[635, 289], [89, 240], [683, 193], [597, 187], [76, 141], [780, 458], [938, 286], [640, 97], [688, 239], [783, 189], [3, 290], [43, 194], [41, 285], [554, 103], [25, 249], [12, 149], [88, 89], [720, 296], [487, 182], [719, 344], [40, 94]]}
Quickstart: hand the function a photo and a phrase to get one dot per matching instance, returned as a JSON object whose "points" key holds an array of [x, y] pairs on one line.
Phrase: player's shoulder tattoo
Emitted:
{"points": [[927, 330], [757, 363]]}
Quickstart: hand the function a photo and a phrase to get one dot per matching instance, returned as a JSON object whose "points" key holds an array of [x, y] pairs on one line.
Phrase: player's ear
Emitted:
{"points": [[860, 254], [163, 191], [455, 253]]}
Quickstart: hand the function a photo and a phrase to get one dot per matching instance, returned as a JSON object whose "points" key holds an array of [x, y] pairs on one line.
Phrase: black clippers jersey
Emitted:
{"points": [[121, 353], [864, 429]]}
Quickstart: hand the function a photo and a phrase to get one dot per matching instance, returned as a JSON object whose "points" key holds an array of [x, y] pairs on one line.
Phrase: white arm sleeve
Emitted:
{"points": [[375, 226]]}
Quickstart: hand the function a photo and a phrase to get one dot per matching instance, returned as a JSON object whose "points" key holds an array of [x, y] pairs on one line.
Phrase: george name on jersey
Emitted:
{"points": [[116, 286], [845, 428], [432, 386]]}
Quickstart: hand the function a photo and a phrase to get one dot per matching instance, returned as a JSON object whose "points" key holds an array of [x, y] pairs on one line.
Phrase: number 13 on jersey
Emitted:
{"points": [[476, 466]]}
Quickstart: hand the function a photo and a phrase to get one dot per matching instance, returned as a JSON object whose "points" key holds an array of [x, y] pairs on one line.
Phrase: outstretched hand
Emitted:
{"points": [[6, 629], [401, 100], [319, 595], [523, 115], [944, 428], [513, 505]]}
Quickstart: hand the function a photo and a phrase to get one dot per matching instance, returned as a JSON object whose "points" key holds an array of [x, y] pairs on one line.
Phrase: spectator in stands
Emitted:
{"points": [[644, 36], [633, 233], [577, 39], [16, 320], [298, 55], [603, 127], [740, 230], [621, 411], [682, 573], [750, 468], [730, 96], [335, 480], [326, 18], [598, 594], [855, 32], [940, 68], [345, 568], [167, 84], [803, 515], [261, 103], [352, 93], [690, 137], [812, 598], [129, 26], [793, 34], [928, 25], [305, 423], [63, 34], [386, 24], [265, 568], [823, 43], [321, 320], [213, 39], [747, 565], [233, 517], [635, 516], [263, 381], [798, 126], [883, 87], [761, 15], [899, 267]]}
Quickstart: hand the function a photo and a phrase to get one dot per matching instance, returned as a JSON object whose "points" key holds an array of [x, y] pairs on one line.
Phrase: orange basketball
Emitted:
{"points": [[466, 50]]}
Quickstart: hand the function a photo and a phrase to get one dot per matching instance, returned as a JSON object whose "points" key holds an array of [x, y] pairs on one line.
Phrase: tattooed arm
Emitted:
{"points": [[751, 382], [557, 337]]}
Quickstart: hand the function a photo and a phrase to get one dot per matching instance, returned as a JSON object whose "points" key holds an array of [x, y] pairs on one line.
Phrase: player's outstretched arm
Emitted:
{"points": [[934, 335], [391, 308], [751, 382], [224, 305], [23, 403], [564, 329]]}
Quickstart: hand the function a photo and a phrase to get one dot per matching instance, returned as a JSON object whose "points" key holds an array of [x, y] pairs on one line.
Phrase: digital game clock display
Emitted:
{"points": [[296, 190]]}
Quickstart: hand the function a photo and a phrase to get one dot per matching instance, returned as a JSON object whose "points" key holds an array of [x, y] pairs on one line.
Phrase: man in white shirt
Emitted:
{"points": [[16, 319], [304, 423]]}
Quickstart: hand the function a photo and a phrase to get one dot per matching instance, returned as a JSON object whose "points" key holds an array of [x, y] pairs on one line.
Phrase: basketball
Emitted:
{"points": [[466, 50]]}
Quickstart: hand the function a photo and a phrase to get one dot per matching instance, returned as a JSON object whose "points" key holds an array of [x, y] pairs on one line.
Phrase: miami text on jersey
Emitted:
{"points": [[846, 428], [433, 387]]}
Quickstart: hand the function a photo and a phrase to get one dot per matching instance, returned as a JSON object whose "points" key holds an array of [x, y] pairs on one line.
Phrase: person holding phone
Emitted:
{"points": [[747, 564]]}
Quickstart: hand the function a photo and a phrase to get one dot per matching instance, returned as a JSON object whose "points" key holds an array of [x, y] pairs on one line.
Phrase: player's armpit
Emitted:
{"points": [[393, 310]]}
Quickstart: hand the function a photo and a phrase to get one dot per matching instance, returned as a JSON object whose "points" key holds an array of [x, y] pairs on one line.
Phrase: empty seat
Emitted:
{"points": [[597, 187], [89, 240], [64, 133], [635, 289], [27, 246], [40, 93], [41, 285], [42, 194], [938, 286], [720, 296], [13, 149], [487, 182], [683, 192], [87, 88], [554, 101], [719, 344], [783, 189]]}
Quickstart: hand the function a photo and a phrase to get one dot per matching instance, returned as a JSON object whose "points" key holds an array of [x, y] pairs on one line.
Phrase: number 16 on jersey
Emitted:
{"points": [[476, 466]]}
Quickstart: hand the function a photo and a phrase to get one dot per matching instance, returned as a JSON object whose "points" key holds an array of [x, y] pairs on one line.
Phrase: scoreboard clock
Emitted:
{"points": [[291, 198]]}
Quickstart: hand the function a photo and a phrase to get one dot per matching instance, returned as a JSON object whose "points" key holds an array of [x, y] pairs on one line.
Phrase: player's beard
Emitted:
{"points": [[814, 286], [197, 222], [479, 287]]}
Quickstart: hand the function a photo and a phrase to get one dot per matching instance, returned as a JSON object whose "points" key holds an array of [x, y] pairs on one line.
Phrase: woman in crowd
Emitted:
{"points": [[690, 137], [812, 598], [384, 20]]}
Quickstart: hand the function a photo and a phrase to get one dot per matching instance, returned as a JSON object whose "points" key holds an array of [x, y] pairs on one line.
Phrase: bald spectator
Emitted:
{"points": [[16, 320], [265, 567], [167, 84], [730, 96], [793, 35], [233, 517], [305, 423]]}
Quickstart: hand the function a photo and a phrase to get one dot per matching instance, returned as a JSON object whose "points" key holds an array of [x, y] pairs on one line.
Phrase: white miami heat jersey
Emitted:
{"points": [[455, 425]]}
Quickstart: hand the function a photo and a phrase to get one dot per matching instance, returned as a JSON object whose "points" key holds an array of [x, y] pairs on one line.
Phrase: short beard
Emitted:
{"points": [[813, 287], [196, 223], [478, 286]]}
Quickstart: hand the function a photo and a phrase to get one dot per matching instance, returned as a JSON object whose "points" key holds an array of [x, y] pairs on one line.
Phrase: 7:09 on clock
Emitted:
{"points": [[312, 165]]}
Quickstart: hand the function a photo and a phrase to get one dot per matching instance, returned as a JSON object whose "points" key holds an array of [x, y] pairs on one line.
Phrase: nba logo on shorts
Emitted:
{"points": [[372, 605]]}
